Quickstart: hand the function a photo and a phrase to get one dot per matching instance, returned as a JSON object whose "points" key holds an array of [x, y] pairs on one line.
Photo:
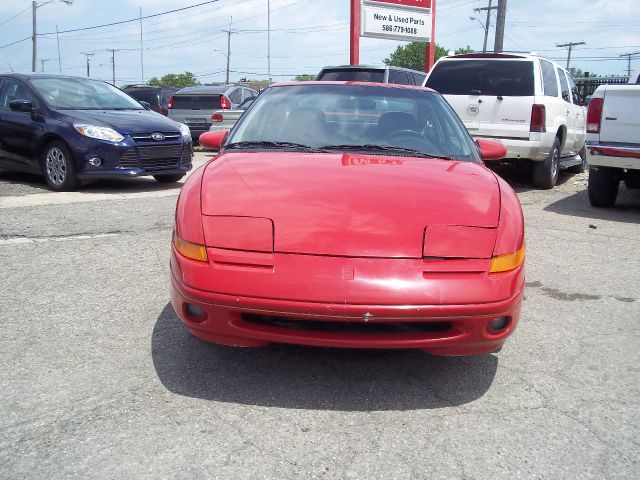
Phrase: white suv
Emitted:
{"points": [[529, 103]]}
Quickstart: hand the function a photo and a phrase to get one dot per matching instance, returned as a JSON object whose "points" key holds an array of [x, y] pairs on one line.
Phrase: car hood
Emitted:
{"points": [[349, 205], [124, 121]]}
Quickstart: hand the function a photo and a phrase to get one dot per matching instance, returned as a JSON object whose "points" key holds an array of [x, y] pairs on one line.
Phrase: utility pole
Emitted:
{"points": [[113, 64], [269, 41], [88, 55], [570, 45], [42, 62], [229, 32], [502, 14], [141, 61], [488, 23], [629, 55], [59, 59], [34, 7]]}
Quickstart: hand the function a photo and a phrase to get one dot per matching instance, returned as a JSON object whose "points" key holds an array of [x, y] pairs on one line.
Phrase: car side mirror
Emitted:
{"points": [[213, 140], [21, 105], [146, 105], [490, 150]]}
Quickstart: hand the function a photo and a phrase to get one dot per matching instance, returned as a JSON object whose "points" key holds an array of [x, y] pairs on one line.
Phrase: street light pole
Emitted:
{"points": [[34, 34]]}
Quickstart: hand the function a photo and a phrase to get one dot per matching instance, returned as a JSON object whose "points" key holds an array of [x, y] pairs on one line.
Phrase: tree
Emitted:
{"points": [[412, 55], [186, 79], [305, 77]]}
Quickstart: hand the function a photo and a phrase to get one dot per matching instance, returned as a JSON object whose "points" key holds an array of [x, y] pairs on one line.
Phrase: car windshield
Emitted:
{"points": [[145, 95], [83, 94], [353, 74], [354, 118]]}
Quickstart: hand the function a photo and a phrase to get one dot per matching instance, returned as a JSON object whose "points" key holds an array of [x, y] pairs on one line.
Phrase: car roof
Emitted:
{"points": [[371, 67], [28, 76], [364, 84], [498, 56], [205, 89]]}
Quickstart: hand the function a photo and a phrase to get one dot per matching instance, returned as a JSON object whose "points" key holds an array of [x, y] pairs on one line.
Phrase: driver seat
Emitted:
{"points": [[395, 121]]}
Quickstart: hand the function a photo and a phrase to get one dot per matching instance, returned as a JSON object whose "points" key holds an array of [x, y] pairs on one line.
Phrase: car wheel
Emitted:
{"points": [[603, 186], [169, 178], [58, 168], [583, 166], [545, 173]]}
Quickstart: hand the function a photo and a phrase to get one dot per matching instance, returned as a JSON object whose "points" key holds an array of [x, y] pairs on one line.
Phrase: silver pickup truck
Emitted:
{"points": [[613, 142]]}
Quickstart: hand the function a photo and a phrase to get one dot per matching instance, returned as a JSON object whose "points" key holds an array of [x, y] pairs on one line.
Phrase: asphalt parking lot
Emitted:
{"points": [[100, 380]]}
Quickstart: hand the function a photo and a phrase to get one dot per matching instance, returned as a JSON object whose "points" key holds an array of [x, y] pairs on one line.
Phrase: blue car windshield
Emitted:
{"points": [[350, 117], [81, 94]]}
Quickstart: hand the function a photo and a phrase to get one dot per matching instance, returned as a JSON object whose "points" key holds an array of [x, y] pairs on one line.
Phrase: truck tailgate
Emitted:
{"points": [[621, 115]]}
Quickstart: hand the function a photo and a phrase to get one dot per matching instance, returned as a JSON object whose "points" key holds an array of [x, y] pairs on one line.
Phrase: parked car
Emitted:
{"points": [[194, 106], [365, 73], [634, 78], [529, 103], [70, 129], [226, 119], [613, 142], [318, 225], [156, 97]]}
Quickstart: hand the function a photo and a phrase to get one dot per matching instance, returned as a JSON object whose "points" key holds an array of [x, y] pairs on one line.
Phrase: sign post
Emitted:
{"points": [[407, 20]]}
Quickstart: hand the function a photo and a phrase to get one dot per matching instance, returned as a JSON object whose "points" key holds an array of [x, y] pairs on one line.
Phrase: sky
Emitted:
{"points": [[305, 36]]}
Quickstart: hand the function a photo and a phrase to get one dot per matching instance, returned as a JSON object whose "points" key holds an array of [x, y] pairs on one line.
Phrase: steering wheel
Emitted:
{"points": [[409, 139]]}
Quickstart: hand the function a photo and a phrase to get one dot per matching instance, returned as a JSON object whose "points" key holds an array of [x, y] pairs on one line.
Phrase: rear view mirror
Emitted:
{"points": [[21, 105], [213, 140], [491, 150]]}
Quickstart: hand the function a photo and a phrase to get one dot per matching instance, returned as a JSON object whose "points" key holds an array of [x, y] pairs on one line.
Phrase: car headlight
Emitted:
{"points": [[101, 133], [186, 133]]}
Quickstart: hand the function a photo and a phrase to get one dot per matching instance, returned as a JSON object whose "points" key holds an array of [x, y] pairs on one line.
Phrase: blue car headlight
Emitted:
{"points": [[100, 133], [186, 133]]}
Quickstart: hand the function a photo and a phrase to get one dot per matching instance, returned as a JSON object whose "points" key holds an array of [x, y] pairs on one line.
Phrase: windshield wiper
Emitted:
{"points": [[269, 144], [385, 148]]}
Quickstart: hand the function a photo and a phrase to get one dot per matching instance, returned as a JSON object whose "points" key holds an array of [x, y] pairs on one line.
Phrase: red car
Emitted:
{"points": [[345, 214]]}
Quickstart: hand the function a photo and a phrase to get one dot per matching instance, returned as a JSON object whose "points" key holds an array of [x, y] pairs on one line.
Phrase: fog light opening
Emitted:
{"points": [[194, 312], [95, 161], [499, 325]]}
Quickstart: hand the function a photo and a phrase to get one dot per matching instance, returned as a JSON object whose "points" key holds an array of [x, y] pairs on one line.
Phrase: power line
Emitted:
{"points": [[629, 55], [16, 15], [132, 19]]}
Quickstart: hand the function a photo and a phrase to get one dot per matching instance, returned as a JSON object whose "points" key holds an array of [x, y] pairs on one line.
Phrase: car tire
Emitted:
{"points": [[545, 173], [603, 186], [58, 168], [583, 166], [169, 178]]}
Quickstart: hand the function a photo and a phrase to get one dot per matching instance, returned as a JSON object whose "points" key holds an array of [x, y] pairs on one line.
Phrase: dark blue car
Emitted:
{"points": [[71, 128]]}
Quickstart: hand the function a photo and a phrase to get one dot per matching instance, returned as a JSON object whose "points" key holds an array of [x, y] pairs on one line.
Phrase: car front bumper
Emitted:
{"points": [[251, 320]]}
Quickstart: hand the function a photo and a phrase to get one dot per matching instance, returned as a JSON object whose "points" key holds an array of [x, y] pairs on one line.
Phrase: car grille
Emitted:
{"points": [[346, 328], [146, 137], [155, 157]]}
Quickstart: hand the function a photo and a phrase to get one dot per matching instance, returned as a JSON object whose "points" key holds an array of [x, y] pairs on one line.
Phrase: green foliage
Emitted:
{"points": [[305, 77], [412, 55], [186, 79]]}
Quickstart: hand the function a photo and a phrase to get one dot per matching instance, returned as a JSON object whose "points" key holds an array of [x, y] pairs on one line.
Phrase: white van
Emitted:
{"points": [[529, 103]]}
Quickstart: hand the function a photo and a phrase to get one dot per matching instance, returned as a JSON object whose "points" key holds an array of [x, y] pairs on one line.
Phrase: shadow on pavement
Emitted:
{"points": [[314, 378], [26, 184], [626, 209], [518, 176]]}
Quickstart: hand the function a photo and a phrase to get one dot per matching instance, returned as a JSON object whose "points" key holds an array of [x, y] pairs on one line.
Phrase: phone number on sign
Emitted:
{"points": [[399, 29]]}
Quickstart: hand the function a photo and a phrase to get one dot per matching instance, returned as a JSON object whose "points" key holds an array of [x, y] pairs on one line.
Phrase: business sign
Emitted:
{"points": [[407, 3], [408, 20]]}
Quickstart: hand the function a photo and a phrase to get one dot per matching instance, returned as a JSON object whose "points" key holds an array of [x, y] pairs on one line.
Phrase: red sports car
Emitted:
{"points": [[352, 215]]}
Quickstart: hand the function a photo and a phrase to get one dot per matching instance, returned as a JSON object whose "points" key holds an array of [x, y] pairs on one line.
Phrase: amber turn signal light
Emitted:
{"points": [[190, 250], [504, 263]]}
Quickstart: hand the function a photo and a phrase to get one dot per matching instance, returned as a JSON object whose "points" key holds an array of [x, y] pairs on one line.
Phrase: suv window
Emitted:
{"points": [[549, 79], [236, 95], [513, 78], [352, 74], [574, 90], [399, 77], [13, 90], [419, 79], [564, 86], [196, 102], [146, 95]]}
